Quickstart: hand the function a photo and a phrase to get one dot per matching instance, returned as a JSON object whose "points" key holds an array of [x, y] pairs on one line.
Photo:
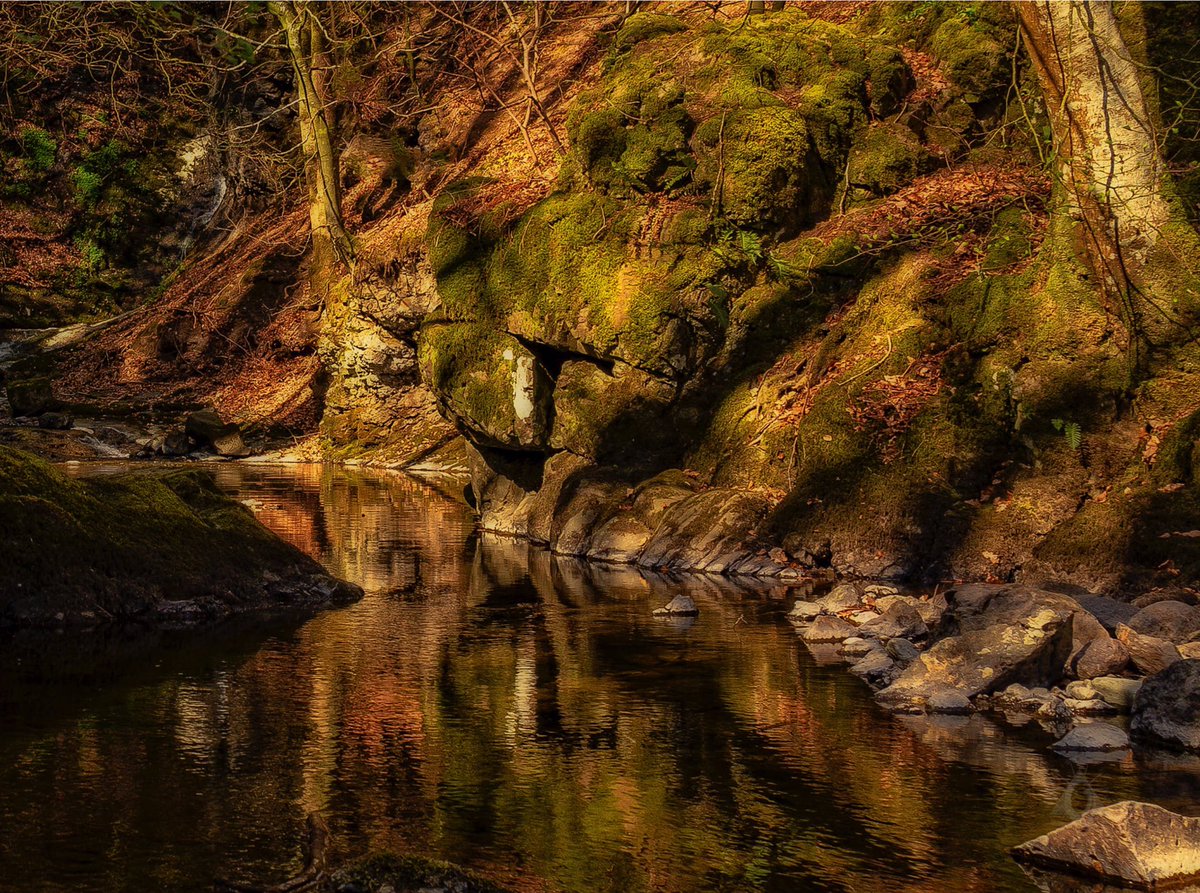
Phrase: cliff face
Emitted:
{"points": [[824, 275], [793, 289]]}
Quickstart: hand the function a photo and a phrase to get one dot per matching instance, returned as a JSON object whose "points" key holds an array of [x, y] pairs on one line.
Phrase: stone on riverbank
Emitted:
{"points": [[679, 606], [1148, 653], [1166, 708], [1132, 843], [1171, 620], [1004, 636], [1094, 736], [828, 628], [1117, 691]]}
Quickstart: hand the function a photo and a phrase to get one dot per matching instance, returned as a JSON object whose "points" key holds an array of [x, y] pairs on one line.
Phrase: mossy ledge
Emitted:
{"points": [[166, 549]]}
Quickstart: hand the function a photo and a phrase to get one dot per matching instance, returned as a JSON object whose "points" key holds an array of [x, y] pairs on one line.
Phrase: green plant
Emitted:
{"points": [[40, 149], [1069, 430]]}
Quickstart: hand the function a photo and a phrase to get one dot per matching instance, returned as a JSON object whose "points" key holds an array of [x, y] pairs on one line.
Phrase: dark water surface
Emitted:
{"points": [[489, 704]]}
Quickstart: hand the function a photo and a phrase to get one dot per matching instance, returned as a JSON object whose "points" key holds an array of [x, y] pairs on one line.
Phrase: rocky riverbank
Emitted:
{"points": [[165, 548], [1084, 667]]}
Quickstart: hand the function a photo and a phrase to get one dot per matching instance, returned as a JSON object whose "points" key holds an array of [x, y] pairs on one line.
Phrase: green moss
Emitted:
{"points": [[39, 148], [476, 371], [645, 25], [886, 158], [971, 56], [117, 546]]}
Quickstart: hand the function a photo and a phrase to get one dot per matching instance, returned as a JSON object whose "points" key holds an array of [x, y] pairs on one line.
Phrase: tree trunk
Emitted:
{"points": [[306, 45], [1105, 141]]}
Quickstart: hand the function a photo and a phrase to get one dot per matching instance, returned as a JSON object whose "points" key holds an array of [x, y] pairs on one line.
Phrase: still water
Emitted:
{"points": [[525, 715]]}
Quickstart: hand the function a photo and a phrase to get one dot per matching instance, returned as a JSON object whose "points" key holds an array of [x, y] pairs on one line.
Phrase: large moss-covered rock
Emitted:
{"points": [[491, 383], [162, 548]]}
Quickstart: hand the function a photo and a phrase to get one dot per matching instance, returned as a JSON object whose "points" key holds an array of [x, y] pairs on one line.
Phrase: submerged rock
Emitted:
{"points": [[1166, 708], [679, 606], [1131, 843], [1095, 736]]}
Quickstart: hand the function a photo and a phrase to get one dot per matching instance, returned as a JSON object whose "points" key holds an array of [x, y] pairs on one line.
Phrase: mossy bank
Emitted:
{"points": [[161, 548]]}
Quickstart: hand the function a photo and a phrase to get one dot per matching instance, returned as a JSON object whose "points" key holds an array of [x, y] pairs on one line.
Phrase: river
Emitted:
{"points": [[522, 714]]}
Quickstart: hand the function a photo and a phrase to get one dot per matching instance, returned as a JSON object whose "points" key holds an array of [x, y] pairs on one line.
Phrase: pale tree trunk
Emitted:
{"points": [[1105, 141], [306, 45]]}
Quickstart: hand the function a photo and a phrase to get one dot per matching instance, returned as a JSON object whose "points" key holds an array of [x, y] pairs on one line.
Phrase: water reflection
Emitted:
{"points": [[494, 705]]}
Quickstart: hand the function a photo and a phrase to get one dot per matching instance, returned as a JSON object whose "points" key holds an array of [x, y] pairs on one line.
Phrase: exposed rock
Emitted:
{"points": [[827, 628], [880, 590], [948, 700], [30, 396], [804, 610], [1100, 657], [175, 444], [1108, 611], [1088, 706], [706, 531], [1190, 650], [842, 597], [207, 428], [899, 620], [1128, 842], [1166, 708], [1081, 690], [1093, 736], [679, 606], [1170, 620], [874, 667], [861, 617], [1005, 636], [902, 650], [1116, 691], [55, 421], [624, 534], [856, 647], [1149, 654]]}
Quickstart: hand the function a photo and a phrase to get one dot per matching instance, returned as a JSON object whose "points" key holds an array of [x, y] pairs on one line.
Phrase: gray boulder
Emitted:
{"points": [[899, 620], [874, 668], [902, 650], [1170, 620], [1103, 656], [1131, 843], [840, 598], [1149, 654], [1108, 611], [1166, 708], [1011, 635]]}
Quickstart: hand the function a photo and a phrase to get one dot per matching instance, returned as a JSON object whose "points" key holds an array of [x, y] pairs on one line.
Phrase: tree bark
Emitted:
{"points": [[306, 46], [1105, 139]]}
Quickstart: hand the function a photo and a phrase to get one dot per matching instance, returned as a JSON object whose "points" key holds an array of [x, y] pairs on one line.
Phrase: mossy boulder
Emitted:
{"points": [[620, 416], [886, 158], [488, 381], [164, 548], [30, 396]]}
